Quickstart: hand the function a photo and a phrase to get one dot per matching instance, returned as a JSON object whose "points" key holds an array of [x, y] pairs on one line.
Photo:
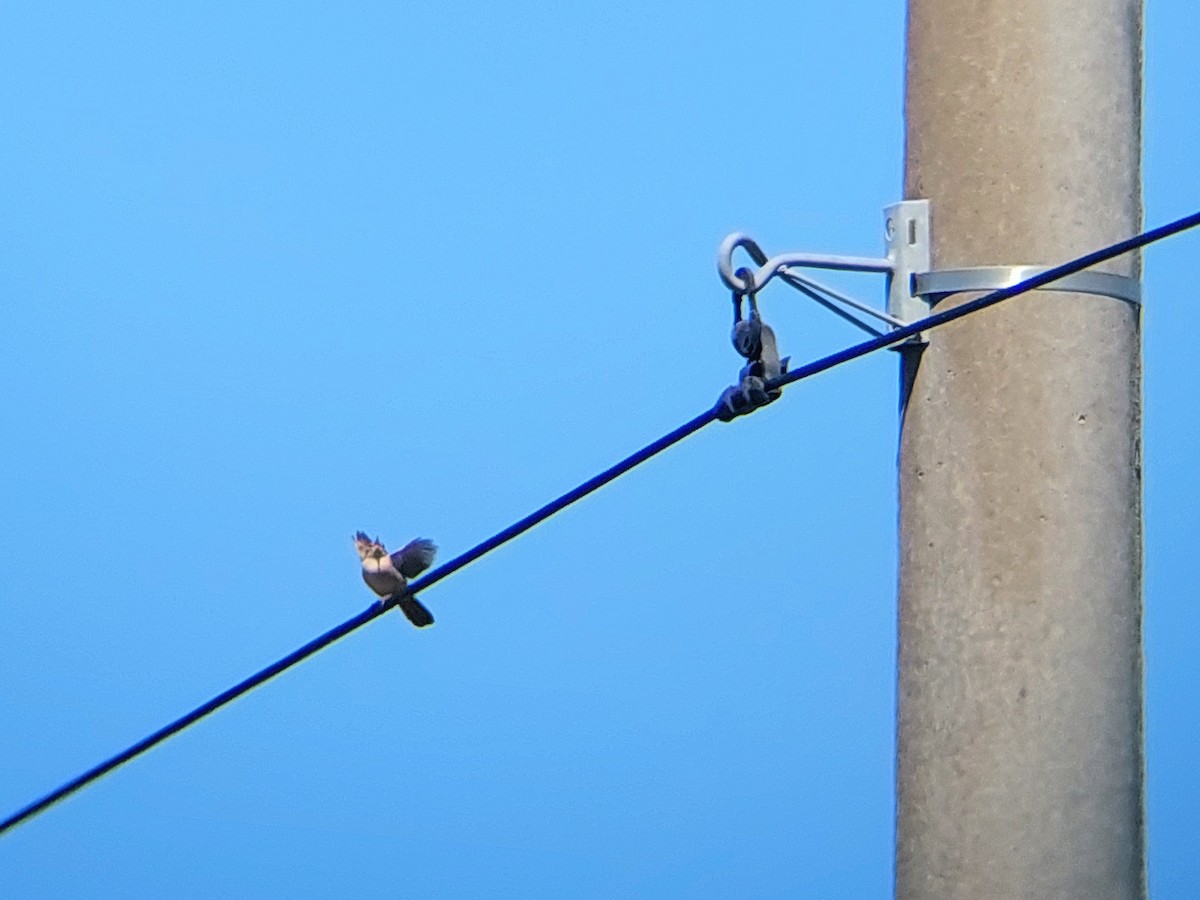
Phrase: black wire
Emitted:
{"points": [[378, 609], [196, 714], [592, 484]]}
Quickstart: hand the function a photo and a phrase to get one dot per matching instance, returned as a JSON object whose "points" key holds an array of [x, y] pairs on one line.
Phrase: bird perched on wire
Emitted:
{"points": [[387, 574]]}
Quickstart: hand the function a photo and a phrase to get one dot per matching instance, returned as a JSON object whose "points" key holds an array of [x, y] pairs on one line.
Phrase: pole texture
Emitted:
{"points": [[1019, 730]]}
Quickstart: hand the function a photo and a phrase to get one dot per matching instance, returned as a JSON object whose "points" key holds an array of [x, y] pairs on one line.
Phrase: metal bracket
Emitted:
{"points": [[907, 230], [906, 227], [912, 289]]}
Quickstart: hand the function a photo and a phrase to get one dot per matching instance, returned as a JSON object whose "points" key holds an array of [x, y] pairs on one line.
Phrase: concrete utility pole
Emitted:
{"points": [[1019, 768]]}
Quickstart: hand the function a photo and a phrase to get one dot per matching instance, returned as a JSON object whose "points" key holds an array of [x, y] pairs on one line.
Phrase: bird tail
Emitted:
{"points": [[415, 610]]}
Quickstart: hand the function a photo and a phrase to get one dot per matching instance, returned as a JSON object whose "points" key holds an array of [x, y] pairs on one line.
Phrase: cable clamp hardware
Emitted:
{"points": [[754, 340]]}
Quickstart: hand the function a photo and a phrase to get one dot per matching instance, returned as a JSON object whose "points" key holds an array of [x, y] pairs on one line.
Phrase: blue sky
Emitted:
{"points": [[273, 274]]}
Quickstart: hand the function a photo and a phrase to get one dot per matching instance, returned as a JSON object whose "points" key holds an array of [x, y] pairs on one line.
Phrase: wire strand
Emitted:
{"points": [[592, 484]]}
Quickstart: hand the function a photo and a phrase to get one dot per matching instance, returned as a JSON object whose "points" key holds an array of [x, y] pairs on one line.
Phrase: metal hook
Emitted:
{"points": [[768, 268]]}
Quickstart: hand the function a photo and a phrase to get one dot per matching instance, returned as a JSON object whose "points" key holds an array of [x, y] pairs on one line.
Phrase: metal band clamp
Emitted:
{"points": [[935, 285]]}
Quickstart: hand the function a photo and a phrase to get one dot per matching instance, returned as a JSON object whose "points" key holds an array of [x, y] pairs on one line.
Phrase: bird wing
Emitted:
{"points": [[414, 557]]}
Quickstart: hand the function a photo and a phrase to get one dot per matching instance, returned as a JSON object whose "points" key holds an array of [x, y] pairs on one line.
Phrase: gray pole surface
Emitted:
{"points": [[1019, 735]]}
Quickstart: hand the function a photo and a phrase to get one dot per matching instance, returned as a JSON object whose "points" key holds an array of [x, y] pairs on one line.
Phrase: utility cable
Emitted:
{"points": [[652, 449], [372, 612]]}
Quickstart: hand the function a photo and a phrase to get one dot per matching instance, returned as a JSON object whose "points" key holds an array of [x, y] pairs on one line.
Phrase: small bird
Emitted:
{"points": [[387, 575]]}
